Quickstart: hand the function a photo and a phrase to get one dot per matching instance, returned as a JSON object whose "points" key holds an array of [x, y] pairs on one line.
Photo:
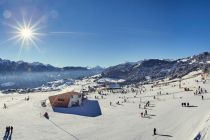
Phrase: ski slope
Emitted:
{"points": [[117, 122]]}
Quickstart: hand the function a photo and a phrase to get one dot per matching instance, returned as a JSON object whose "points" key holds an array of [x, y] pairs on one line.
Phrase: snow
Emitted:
{"points": [[165, 70], [117, 122], [112, 80], [7, 84], [138, 65], [193, 73], [193, 61], [184, 60], [147, 77]]}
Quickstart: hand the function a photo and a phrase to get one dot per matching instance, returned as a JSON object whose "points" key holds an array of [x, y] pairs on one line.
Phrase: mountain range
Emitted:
{"points": [[131, 72], [155, 69], [7, 66]]}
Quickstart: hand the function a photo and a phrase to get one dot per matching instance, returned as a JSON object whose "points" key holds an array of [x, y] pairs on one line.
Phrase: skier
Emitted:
{"points": [[118, 102], [154, 131], [11, 129], [5, 106], [124, 100], [202, 97], [46, 115], [145, 112], [141, 114], [7, 131]]}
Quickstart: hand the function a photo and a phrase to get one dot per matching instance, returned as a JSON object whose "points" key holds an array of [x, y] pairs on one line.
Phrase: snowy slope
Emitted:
{"points": [[117, 122]]}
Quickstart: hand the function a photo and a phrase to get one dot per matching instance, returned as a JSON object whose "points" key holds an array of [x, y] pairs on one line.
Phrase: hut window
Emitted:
{"points": [[60, 99]]}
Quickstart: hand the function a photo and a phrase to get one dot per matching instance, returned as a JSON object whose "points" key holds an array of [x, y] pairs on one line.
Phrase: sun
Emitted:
{"points": [[26, 33]]}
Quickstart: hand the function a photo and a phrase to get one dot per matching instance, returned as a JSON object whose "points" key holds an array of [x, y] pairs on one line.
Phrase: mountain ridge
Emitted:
{"points": [[8, 66], [158, 69]]}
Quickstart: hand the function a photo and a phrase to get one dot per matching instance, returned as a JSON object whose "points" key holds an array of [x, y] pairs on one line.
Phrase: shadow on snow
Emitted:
{"points": [[89, 108]]}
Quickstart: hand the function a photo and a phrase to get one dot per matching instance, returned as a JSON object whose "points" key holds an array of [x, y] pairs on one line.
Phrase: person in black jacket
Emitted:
{"points": [[154, 131], [11, 129]]}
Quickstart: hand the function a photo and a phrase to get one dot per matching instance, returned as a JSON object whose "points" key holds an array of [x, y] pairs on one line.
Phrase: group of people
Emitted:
{"points": [[8, 132], [5, 106], [185, 104], [200, 91], [144, 114]]}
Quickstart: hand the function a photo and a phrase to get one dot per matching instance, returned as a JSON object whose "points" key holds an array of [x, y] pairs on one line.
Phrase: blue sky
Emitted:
{"points": [[106, 32]]}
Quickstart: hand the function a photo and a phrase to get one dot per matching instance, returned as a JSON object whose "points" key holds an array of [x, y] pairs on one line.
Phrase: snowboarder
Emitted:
{"points": [[154, 131]]}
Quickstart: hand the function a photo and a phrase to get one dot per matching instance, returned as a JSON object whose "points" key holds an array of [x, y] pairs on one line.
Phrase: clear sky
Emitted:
{"points": [[105, 32]]}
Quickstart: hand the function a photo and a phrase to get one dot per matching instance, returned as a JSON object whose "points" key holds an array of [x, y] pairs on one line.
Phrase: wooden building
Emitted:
{"points": [[67, 99]]}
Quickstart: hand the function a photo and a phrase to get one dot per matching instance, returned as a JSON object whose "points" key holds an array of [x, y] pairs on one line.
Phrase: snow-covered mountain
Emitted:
{"points": [[158, 69], [21, 66], [20, 74]]}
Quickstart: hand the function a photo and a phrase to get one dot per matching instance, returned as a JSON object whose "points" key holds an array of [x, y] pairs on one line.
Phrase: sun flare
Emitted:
{"points": [[26, 33]]}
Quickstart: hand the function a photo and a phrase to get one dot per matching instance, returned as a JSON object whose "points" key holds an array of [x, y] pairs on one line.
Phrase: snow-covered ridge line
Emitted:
{"points": [[21, 66], [158, 69]]}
